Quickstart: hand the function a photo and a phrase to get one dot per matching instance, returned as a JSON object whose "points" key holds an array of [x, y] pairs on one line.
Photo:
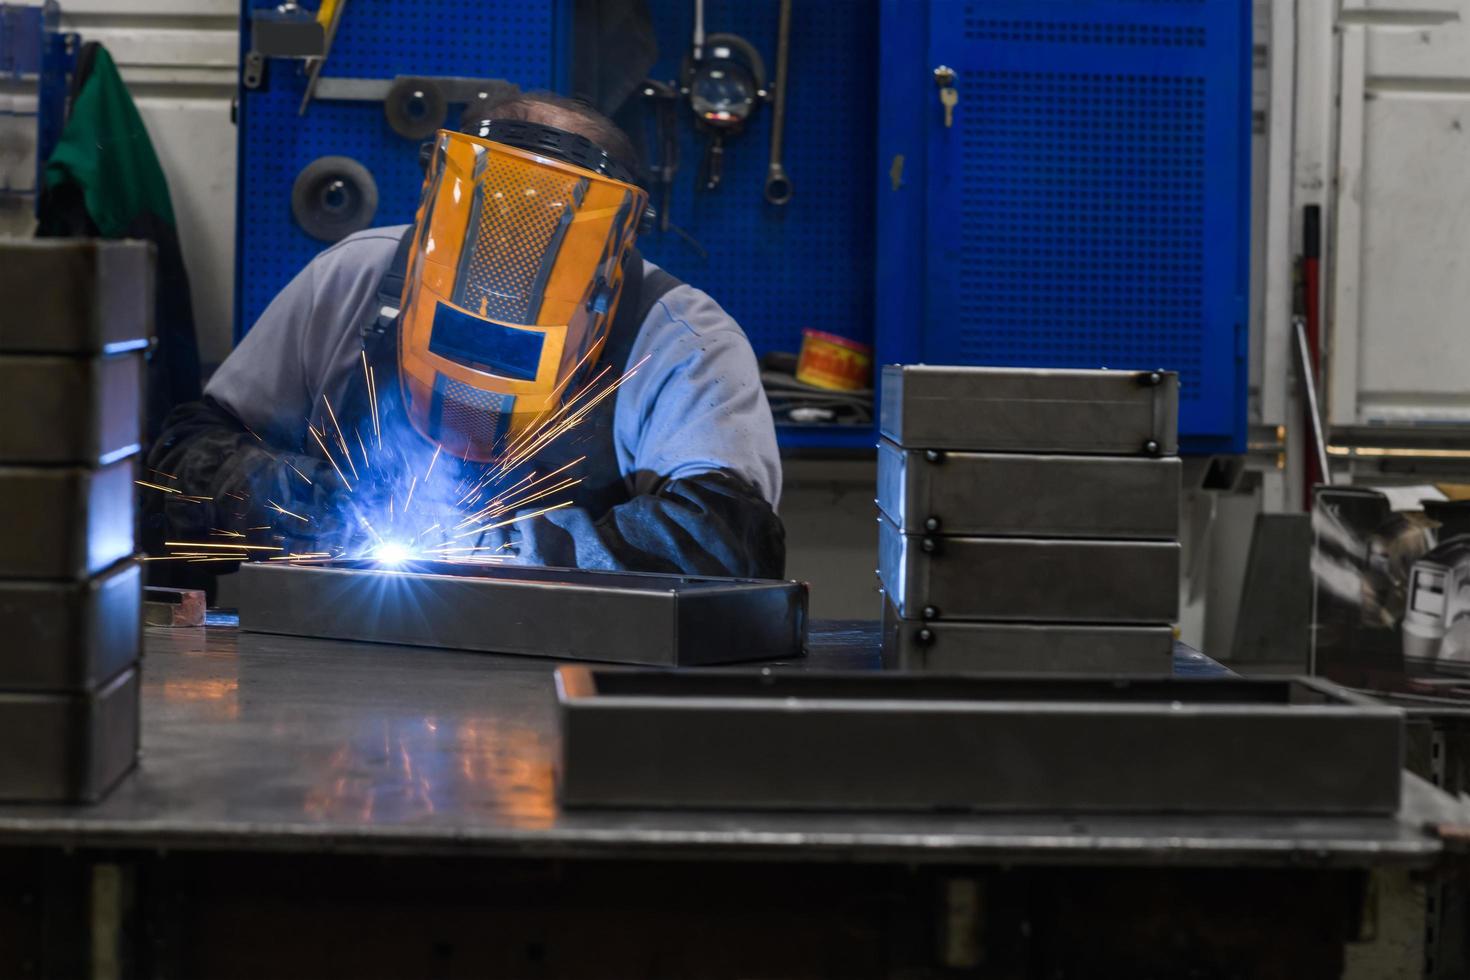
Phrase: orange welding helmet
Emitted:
{"points": [[512, 281]]}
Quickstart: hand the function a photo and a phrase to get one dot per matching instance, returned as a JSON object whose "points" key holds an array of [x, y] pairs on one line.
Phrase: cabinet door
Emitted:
{"points": [[1088, 206]]}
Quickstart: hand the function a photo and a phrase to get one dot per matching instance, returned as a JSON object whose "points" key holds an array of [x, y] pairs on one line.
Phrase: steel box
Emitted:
{"points": [[568, 614], [67, 522], [952, 492], [87, 411], [73, 296], [948, 647], [68, 748], [1028, 579], [70, 636], [1030, 410], [865, 741]]}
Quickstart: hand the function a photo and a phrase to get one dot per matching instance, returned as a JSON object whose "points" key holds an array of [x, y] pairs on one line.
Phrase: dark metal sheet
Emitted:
{"points": [[1029, 579], [616, 617], [70, 636], [803, 740], [85, 411], [75, 296], [1273, 625], [950, 492], [1031, 410], [949, 647], [66, 522], [68, 748]]}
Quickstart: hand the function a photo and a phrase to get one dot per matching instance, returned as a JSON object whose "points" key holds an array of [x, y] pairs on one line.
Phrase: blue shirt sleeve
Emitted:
{"points": [[693, 402], [306, 343]]}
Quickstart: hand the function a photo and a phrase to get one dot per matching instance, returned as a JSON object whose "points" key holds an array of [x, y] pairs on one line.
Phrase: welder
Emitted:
{"points": [[517, 291]]}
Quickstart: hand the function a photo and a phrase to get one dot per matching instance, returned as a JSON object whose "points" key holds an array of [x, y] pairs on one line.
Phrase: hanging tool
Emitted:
{"points": [[1306, 306], [1302, 348], [778, 185], [724, 78], [665, 99], [330, 15]]}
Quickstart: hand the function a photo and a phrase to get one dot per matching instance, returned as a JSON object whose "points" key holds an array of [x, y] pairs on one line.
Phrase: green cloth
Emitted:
{"points": [[105, 151]]}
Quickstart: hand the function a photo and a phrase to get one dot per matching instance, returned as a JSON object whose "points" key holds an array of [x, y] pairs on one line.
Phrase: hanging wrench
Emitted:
{"points": [[778, 185]]}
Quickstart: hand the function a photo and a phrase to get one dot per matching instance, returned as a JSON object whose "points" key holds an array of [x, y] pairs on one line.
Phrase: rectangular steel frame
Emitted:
{"points": [[1016, 494], [1070, 580], [943, 646], [70, 636], [882, 741], [77, 521], [567, 614], [1115, 413], [68, 748], [81, 411]]}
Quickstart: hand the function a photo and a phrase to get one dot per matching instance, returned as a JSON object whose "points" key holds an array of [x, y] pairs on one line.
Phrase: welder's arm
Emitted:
{"points": [[204, 451], [710, 524], [695, 438]]}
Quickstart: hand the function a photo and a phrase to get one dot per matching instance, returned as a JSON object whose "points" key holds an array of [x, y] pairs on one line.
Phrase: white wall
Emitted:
{"points": [[179, 59], [1400, 340]]}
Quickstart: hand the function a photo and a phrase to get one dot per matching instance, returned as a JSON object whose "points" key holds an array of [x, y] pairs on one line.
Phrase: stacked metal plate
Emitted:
{"points": [[75, 323], [1029, 519]]}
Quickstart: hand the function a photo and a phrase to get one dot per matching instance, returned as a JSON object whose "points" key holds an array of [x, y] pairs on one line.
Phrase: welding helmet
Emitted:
{"points": [[512, 281]]}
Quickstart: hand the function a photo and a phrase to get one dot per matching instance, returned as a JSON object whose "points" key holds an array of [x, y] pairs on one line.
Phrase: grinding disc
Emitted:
{"points": [[333, 197], [415, 108]]}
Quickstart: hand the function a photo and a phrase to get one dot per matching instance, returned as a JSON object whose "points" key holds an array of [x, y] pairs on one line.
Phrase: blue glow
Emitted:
{"points": [[392, 553]]}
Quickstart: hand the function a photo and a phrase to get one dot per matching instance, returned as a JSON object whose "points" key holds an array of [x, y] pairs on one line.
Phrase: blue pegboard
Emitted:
{"points": [[520, 40], [809, 263], [1090, 205]]}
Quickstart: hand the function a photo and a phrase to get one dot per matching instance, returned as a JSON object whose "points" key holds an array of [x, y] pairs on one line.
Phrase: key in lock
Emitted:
{"points": [[949, 96]]}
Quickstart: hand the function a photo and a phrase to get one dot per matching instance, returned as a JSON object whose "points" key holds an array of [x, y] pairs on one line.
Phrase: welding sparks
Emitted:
{"points": [[407, 516], [283, 511]]}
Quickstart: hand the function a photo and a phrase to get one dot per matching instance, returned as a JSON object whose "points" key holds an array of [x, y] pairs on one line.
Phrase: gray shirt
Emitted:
{"points": [[696, 404]]}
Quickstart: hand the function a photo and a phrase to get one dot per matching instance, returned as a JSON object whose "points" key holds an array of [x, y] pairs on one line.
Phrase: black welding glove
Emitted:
{"points": [[204, 451], [710, 524]]}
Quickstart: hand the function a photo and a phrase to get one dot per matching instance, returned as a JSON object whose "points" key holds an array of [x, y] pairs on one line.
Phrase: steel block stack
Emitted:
{"points": [[1028, 519], [75, 322]]}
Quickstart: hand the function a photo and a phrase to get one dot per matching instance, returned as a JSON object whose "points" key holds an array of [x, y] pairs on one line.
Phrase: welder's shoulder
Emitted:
{"points": [[360, 258], [687, 314]]}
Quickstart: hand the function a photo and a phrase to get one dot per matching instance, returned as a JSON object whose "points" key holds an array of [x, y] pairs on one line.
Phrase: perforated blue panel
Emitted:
{"points": [[1089, 206], [512, 39], [809, 264]]}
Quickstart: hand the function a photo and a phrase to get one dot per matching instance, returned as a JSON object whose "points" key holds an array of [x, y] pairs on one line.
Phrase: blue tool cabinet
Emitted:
{"points": [[1089, 206]]}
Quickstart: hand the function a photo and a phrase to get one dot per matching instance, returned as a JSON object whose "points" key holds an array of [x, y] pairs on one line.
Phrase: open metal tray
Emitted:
{"points": [[1072, 580], [569, 614], [68, 748], [951, 647], [70, 636], [764, 739], [75, 296], [1017, 494], [1031, 410], [67, 522], [78, 410]]}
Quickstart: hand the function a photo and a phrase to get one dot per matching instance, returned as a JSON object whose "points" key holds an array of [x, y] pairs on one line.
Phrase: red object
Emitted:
{"points": [[833, 362]]}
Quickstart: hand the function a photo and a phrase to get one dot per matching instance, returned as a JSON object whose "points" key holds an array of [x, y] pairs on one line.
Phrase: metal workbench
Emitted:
{"points": [[322, 760], [272, 742]]}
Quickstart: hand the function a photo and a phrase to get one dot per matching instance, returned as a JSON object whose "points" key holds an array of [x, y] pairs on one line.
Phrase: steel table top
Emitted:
{"points": [[258, 742]]}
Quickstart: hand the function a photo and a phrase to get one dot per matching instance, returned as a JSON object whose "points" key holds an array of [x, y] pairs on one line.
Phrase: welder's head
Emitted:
{"points": [[524, 227]]}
